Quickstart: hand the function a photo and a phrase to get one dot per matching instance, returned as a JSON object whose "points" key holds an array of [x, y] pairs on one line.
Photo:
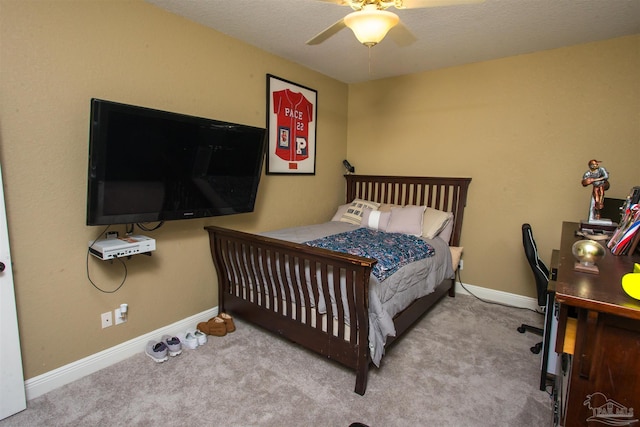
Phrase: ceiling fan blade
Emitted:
{"points": [[415, 4], [325, 34], [401, 35]]}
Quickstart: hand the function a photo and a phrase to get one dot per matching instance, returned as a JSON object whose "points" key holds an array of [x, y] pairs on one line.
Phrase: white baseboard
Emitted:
{"points": [[498, 296], [37, 386]]}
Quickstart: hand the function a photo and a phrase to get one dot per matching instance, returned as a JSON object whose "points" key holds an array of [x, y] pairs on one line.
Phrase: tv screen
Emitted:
{"points": [[148, 165]]}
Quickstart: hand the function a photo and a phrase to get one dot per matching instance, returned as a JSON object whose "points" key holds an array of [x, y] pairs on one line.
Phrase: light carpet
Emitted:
{"points": [[463, 364]]}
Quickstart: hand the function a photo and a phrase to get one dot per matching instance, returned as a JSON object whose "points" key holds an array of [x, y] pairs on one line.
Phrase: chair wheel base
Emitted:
{"points": [[536, 348]]}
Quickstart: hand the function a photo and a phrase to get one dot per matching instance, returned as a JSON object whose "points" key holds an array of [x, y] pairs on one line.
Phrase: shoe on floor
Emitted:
{"points": [[189, 340], [214, 326], [173, 345], [157, 351], [202, 338], [228, 322]]}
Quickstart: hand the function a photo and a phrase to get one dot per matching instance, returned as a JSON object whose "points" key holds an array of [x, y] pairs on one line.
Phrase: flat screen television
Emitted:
{"points": [[148, 165]]}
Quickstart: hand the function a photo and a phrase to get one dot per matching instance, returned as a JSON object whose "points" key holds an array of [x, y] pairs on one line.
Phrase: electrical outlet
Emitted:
{"points": [[107, 320], [117, 313], [461, 265]]}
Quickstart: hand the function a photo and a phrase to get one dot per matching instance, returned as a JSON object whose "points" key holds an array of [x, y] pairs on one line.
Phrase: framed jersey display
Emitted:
{"points": [[291, 126]]}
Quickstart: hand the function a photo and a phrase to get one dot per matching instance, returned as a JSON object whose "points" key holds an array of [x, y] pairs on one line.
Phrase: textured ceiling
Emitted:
{"points": [[446, 36]]}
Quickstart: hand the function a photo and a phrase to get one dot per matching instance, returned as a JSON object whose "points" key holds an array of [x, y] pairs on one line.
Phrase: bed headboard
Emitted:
{"points": [[446, 194]]}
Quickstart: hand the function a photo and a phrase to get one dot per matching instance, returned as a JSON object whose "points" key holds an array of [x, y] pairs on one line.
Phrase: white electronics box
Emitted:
{"points": [[122, 246]]}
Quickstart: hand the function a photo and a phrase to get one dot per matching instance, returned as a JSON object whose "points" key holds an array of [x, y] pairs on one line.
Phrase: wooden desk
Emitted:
{"points": [[605, 368]]}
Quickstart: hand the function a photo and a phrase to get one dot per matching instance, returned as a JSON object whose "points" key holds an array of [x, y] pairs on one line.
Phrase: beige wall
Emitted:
{"points": [[523, 128], [56, 56]]}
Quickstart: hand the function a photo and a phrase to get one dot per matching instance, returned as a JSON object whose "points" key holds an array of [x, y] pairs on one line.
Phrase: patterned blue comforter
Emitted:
{"points": [[391, 250]]}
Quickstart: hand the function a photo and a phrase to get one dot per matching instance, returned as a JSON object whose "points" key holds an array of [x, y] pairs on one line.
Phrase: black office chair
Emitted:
{"points": [[541, 274]]}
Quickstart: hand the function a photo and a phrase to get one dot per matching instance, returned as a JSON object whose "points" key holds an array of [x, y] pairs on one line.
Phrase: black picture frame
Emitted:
{"points": [[291, 127]]}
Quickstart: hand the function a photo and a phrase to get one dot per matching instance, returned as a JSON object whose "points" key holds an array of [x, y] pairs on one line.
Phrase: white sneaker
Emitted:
{"points": [[189, 340], [201, 337]]}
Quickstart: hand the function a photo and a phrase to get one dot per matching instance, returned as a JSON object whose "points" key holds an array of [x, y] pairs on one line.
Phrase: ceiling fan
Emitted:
{"points": [[370, 21]]}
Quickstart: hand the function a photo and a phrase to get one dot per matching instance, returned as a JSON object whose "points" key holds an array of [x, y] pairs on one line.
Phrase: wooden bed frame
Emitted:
{"points": [[287, 306]]}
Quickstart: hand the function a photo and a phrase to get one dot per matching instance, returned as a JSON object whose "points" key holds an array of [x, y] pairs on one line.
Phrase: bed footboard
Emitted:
{"points": [[314, 297]]}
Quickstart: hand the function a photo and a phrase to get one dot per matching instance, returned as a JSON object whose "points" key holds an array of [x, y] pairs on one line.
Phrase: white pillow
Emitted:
{"points": [[342, 209], [375, 220], [353, 215], [434, 222], [407, 220], [447, 231]]}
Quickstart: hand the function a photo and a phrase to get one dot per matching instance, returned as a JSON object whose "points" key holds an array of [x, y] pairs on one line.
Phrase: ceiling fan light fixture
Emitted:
{"points": [[370, 26]]}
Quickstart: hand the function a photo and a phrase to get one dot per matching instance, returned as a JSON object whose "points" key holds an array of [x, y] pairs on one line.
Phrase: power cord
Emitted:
{"points": [[88, 273], [145, 228], [491, 302]]}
